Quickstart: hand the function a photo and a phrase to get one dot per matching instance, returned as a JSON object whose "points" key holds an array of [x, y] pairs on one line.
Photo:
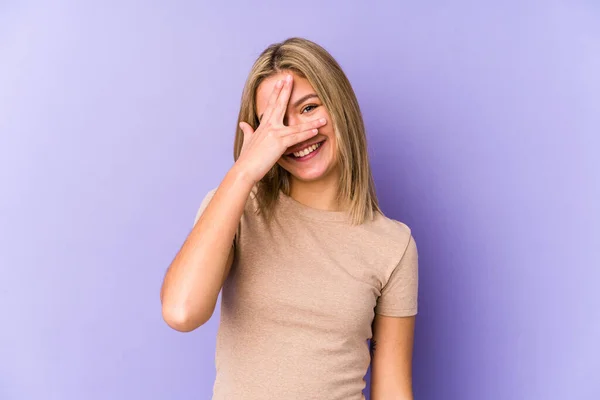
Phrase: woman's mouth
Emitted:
{"points": [[306, 153]]}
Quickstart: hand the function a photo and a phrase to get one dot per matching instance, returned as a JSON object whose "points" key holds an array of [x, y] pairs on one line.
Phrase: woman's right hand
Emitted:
{"points": [[262, 148]]}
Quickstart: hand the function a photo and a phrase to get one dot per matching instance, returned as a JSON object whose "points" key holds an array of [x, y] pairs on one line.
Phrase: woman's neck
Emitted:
{"points": [[320, 194]]}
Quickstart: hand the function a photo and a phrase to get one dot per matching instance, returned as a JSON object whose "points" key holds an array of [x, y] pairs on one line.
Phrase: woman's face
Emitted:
{"points": [[304, 105]]}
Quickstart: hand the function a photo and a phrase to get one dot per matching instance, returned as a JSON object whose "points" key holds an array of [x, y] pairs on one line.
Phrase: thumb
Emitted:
{"points": [[248, 131], [246, 128]]}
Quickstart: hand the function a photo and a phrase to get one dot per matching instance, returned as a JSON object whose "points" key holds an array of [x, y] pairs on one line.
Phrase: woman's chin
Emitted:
{"points": [[308, 177], [314, 173]]}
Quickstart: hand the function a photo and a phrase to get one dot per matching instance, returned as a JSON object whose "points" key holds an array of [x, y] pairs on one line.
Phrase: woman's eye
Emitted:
{"points": [[309, 108]]}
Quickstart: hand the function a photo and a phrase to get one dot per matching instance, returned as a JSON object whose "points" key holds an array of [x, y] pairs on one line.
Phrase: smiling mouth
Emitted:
{"points": [[306, 153]]}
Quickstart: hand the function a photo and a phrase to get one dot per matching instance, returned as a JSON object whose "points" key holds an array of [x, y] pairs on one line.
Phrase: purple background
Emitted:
{"points": [[483, 122]]}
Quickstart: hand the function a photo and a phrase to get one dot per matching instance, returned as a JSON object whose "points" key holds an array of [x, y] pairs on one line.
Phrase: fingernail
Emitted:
{"points": [[322, 120], [288, 78]]}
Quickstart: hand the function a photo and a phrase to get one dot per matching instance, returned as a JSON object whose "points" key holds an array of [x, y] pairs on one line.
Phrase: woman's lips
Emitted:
{"points": [[309, 155]]}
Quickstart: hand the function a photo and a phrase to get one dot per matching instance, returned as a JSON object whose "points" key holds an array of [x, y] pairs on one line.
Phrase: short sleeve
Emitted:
{"points": [[399, 294]]}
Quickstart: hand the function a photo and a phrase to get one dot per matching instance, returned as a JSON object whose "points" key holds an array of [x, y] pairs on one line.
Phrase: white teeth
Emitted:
{"points": [[307, 150]]}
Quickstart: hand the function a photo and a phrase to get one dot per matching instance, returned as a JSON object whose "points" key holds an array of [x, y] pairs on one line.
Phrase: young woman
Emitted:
{"points": [[309, 266]]}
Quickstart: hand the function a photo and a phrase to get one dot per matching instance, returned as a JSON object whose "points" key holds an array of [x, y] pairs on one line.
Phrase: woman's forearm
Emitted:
{"points": [[194, 279]]}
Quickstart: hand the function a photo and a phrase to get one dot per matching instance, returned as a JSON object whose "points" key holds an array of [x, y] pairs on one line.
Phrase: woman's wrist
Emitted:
{"points": [[241, 175]]}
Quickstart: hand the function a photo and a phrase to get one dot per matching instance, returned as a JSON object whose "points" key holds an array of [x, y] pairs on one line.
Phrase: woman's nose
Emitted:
{"points": [[290, 120]]}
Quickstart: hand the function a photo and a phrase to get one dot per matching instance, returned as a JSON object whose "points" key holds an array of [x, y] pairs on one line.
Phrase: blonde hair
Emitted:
{"points": [[314, 63]]}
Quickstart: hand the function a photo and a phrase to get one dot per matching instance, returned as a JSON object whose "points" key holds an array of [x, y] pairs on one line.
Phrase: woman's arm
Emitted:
{"points": [[392, 348], [195, 277]]}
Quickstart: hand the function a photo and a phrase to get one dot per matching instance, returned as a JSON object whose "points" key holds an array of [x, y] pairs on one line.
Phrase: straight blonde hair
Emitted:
{"points": [[314, 63]]}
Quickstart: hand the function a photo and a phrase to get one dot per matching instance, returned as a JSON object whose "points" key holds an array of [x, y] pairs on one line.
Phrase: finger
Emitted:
{"points": [[283, 100], [317, 123], [272, 101], [298, 137]]}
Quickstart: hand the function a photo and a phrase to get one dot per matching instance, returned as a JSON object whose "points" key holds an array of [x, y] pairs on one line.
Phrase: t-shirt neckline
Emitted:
{"points": [[311, 212]]}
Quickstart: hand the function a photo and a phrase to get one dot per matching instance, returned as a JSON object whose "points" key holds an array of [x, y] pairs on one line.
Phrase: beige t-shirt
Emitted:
{"points": [[298, 304]]}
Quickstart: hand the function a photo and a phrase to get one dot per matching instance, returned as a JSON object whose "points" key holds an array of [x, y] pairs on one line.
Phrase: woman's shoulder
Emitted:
{"points": [[388, 229], [211, 192], [251, 202]]}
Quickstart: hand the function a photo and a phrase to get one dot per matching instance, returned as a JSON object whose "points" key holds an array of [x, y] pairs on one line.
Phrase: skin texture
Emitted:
{"points": [[264, 147], [195, 277], [391, 362], [313, 182]]}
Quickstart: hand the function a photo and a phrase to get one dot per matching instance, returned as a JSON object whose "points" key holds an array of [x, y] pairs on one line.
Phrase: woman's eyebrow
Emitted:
{"points": [[304, 98], [299, 101]]}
